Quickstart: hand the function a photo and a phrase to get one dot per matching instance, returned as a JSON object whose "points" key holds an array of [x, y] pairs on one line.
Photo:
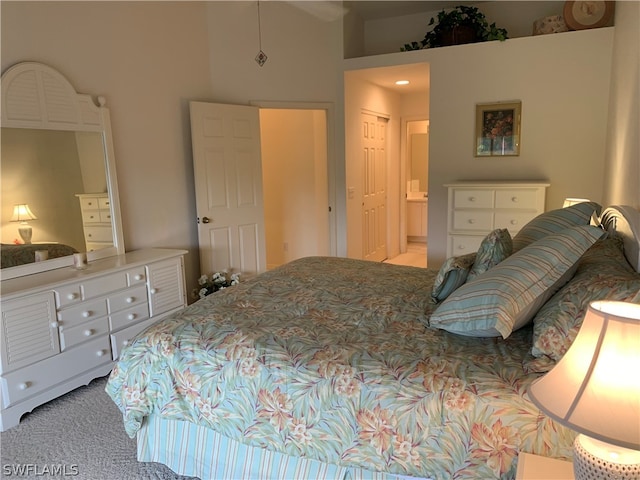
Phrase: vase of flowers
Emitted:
{"points": [[216, 281]]}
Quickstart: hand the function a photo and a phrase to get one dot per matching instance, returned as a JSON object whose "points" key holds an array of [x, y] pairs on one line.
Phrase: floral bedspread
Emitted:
{"points": [[331, 359]]}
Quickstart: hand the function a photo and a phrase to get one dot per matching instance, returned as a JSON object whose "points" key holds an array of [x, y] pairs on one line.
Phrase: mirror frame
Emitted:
{"points": [[36, 96]]}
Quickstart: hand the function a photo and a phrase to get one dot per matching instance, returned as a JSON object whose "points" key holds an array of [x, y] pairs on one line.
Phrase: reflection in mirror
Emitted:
{"points": [[419, 155], [49, 170], [59, 185]]}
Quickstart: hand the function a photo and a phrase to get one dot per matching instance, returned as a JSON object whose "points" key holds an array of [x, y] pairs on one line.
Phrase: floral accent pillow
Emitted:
{"points": [[495, 247], [451, 275], [603, 273]]}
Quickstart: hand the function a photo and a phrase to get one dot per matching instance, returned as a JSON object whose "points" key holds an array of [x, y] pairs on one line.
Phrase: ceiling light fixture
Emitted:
{"points": [[402, 82]]}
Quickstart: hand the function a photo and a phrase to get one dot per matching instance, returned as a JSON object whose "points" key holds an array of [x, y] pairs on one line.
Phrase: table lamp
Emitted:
{"points": [[595, 390], [22, 213]]}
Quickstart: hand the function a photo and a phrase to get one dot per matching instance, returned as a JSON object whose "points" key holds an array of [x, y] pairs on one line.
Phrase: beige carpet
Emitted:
{"points": [[79, 435]]}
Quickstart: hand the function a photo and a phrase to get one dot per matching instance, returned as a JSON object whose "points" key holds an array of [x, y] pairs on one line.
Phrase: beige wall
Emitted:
{"points": [[564, 115], [622, 175]]}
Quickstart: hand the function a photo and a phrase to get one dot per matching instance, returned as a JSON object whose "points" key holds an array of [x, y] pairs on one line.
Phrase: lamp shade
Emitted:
{"points": [[22, 213], [595, 388], [573, 201]]}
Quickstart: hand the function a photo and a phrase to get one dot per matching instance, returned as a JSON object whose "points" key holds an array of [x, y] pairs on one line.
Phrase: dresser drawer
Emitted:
{"points": [[86, 311], [121, 339], [71, 336], [463, 198], [98, 234], [104, 203], [31, 380], [526, 199], [105, 216], [89, 203], [463, 244], [130, 316], [128, 298], [514, 221], [136, 276], [68, 295], [473, 220], [104, 285], [91, 216]]}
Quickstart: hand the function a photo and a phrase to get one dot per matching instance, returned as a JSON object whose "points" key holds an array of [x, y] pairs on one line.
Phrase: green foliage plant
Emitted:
{"points": [[460, 17]]}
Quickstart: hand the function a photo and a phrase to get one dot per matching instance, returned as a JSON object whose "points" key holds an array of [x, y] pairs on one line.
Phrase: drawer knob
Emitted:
{"points": [[125, 343], [23, 386], [54, 324], [154, 290], [461, 247], [72, 296], [138, 277], [514, 199], [131, 316], [100, 353], [86, 313], [130, 299], [472, 199], [472, 221], [514, 222], [88, 332]]}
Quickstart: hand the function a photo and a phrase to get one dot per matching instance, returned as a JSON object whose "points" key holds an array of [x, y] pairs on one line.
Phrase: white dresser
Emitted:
{"points": [[474, 209], [62, 328], [96, 220]]}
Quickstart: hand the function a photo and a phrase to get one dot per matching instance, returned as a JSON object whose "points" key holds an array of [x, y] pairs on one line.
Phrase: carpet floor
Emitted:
{"points": [[79, 435]]}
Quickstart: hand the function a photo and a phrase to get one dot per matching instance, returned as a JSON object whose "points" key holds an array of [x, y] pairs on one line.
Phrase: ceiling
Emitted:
{"points": [[416, 73], [371, 10]]}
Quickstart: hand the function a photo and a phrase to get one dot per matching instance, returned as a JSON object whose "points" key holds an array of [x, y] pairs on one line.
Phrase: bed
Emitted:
{"points": [[345, 369], [14, 255]]}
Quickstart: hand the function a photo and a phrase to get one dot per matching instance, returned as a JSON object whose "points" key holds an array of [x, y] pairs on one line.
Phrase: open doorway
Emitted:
{"points": [[295, 183]]}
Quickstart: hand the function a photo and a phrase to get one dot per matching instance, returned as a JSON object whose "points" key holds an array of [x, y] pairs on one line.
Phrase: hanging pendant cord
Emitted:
{"points": [[259, 29]]}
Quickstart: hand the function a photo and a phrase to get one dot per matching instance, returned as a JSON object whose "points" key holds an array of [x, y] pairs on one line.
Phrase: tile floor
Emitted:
{"points": [[416, 256]]}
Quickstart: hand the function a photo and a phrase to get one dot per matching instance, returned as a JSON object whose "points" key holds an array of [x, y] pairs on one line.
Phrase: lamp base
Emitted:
{"points": [[596, 460], [25, 232]]}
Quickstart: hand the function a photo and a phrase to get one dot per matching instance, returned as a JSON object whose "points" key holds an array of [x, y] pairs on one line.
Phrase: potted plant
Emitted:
{"points": [[461, 25]]}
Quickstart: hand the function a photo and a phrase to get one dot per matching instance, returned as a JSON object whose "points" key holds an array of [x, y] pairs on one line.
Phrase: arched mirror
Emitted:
{"points": [[59, 186]]}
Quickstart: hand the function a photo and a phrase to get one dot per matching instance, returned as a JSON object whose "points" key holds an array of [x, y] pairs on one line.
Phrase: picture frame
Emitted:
{"points": [[498, 129]]}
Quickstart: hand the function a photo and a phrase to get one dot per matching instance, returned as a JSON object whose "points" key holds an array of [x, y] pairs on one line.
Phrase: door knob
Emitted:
{"points": [[205, 220]]}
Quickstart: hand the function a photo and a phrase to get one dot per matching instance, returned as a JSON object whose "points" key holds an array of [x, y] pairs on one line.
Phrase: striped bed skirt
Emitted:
{"points": [[196, 451]]}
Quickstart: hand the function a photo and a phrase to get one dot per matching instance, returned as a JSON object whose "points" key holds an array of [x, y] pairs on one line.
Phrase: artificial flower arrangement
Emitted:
{"points": [[217, 281]]}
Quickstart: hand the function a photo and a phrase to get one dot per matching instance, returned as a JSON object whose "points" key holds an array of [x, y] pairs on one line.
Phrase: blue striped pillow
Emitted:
{"points": [[506, 297], [555, 221]]}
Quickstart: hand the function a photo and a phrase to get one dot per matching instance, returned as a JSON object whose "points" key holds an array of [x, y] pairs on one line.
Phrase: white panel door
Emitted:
{"points": [[228, 178], [374, 188]]}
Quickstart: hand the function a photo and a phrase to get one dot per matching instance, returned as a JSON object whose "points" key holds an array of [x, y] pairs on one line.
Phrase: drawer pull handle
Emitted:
{"points": [[131, 316], [72, 296], [138, 277], [100, 353], [514, 199], [472, 199], [24, 385], [154, 290], [86, 313], [88, 332], [54, 324], [130, 299]]}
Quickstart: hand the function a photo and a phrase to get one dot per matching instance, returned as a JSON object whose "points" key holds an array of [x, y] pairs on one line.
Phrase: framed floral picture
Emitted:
{"points": [[498, 129]]}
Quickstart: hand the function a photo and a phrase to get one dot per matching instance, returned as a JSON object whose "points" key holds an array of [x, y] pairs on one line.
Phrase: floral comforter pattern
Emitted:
{"points": [[332, 359]]}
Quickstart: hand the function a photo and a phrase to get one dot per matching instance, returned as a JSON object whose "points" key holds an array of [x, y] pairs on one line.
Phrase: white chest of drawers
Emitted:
{"points": [[474, 209], [62, 328], [96, 220]]}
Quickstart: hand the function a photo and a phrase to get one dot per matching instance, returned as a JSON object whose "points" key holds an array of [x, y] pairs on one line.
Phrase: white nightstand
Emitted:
{"points": [[536, 467]]}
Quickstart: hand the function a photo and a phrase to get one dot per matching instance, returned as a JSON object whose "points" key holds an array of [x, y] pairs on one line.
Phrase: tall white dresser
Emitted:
{"points": [[62, 328], [474, 209], [96, 220]]}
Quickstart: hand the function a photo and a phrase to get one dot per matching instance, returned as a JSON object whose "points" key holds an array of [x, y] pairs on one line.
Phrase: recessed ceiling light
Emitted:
{"points": [[402, 82]]}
